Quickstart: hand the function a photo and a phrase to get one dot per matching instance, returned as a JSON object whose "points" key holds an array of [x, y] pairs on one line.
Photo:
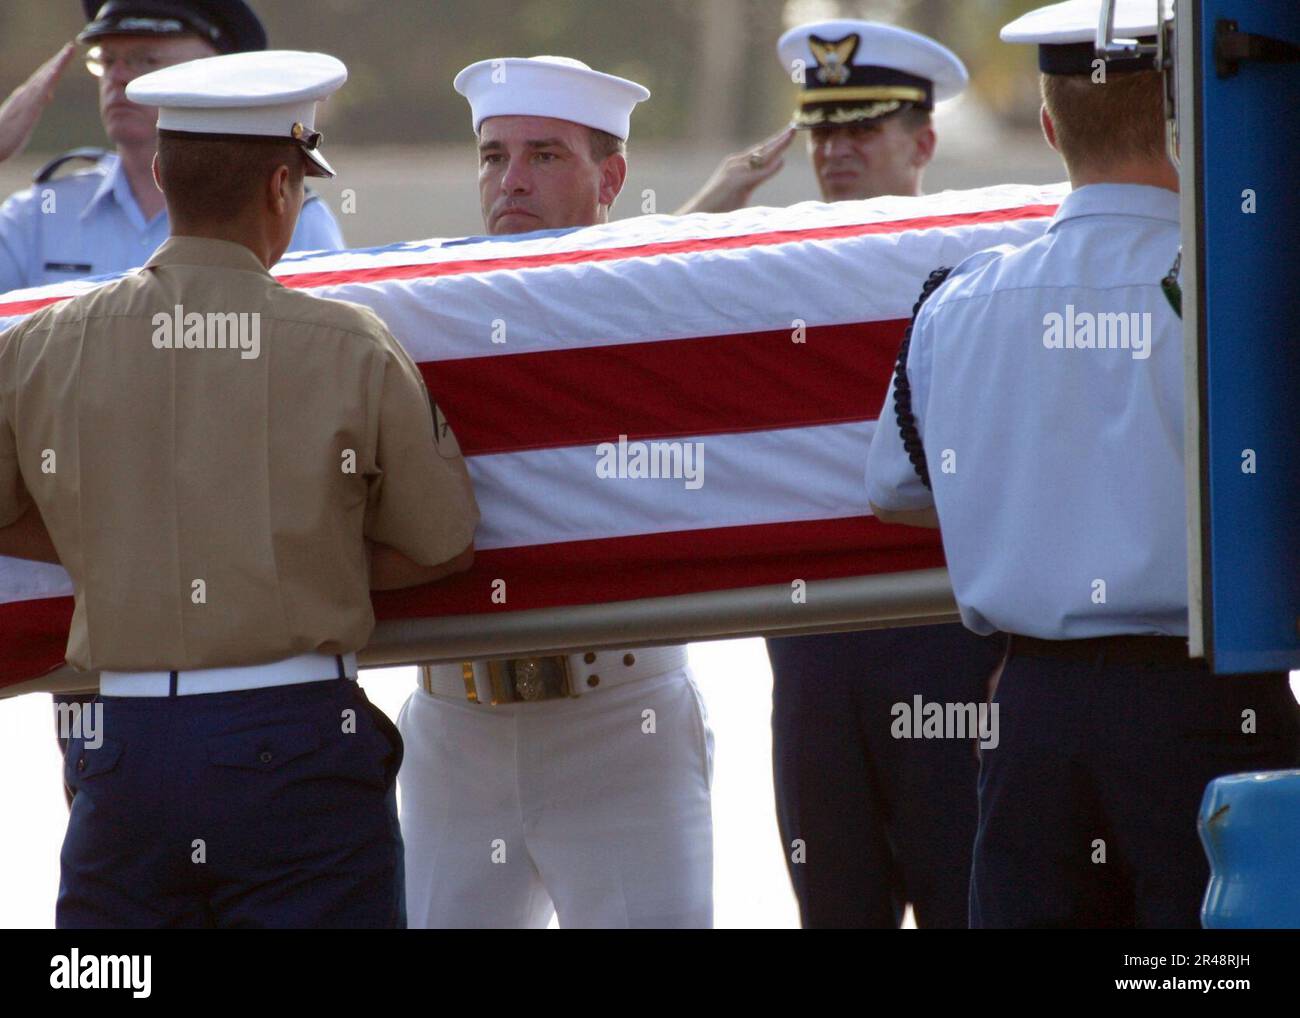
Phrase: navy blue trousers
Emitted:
{"points": [[1088, 805], [271, 808], [85, 699], [882, 821]]}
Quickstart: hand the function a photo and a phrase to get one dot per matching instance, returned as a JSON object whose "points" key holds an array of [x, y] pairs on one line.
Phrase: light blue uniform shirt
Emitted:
{"points": [[88, 224], [1057, 467]]}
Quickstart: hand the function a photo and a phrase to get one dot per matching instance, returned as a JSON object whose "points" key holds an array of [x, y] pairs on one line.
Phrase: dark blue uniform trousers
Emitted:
{"points": [[1101, 757], [883, 821], [258, 808], [85, 699]]}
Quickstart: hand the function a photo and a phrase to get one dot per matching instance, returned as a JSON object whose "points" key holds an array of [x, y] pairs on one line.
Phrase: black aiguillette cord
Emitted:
{"points": [[903, 389]]}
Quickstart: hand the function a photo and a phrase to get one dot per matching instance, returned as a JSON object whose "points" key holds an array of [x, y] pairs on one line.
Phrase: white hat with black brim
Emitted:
{"points": [[863, 70]]}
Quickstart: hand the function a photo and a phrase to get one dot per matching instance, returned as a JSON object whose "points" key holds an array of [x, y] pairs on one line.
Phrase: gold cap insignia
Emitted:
{"points": [[834, 58]]}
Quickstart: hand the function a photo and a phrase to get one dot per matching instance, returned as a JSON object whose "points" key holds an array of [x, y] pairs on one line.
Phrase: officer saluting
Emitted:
{"points": [[109, 217], [234, 466], [868, 92], [895, 825], [1050, 380]]}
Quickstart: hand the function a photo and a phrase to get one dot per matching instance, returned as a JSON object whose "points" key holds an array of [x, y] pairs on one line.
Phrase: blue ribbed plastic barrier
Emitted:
{"points": [[1250, 827]]}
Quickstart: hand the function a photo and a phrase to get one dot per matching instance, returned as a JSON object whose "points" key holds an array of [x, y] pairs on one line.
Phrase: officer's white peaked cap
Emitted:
{"points": [[1066, 33], [881, 45], [262, 94], [1077, 20], [558, 87], [857, 70]]}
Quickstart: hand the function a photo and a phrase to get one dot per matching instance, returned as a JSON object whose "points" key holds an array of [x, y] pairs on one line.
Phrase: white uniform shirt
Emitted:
{"points": [[1057, 469], [89, 224]]}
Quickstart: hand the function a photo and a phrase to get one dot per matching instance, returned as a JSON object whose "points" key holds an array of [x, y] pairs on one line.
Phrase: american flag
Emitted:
{"points": [[745, 355]]}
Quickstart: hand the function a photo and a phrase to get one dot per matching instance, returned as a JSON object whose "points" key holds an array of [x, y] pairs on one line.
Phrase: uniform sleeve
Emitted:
{"points": [[420, 500], [317, 229], [14, 499], [16, 242], [892, 481]]}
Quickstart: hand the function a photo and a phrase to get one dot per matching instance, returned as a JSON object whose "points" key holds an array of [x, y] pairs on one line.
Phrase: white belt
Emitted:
{"points": [[289, 672], [490, 682]]}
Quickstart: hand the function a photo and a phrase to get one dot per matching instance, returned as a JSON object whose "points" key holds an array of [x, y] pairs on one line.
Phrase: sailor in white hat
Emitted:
{"points": [[560, 88], [532, 787], [1049, 378], [522, 103], [221, 561], [867, 91]]}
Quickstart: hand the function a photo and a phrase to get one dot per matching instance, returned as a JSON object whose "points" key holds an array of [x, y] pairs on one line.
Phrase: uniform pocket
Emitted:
{"points": [[264, 749], [82, 763]]}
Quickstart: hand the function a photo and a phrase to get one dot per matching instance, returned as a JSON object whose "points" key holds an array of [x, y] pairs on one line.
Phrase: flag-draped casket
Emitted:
{"points": [[660, 412]]}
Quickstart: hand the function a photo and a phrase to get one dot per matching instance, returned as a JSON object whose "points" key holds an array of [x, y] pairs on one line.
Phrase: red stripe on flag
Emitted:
{"points": [[749, 381], [579, 572], [662, 565], [36, 633], [434, 270], [693, 246]]}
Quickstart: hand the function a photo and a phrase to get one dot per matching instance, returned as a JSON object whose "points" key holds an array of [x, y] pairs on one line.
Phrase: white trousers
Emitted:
{"points": [[591, 809]]}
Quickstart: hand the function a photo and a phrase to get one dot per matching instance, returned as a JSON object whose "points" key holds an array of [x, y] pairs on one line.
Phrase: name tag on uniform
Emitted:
{"points": [[67, 267]]}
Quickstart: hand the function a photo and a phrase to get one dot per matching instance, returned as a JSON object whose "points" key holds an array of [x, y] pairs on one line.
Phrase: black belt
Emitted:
{"points": [[1170, 651]]}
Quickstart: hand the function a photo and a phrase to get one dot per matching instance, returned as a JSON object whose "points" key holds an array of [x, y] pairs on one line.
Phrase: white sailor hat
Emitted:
{"points": [[1066, 33], [558, 87], [860, 70], [267, 95]]}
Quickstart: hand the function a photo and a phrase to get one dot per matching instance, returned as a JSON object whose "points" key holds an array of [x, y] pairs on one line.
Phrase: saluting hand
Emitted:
{"points": [[22, 110], [738, 175]]}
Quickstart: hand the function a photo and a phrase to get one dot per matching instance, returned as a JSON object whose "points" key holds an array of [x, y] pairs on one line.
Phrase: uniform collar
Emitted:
{"points": [[116, 186], [206, 251], [1118, 200], [111, 167]]}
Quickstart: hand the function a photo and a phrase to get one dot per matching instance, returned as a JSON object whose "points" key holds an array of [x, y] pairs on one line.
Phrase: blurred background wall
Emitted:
{"points": [[400, 136]]}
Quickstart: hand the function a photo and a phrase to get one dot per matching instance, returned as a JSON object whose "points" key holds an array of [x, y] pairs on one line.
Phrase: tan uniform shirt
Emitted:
{"points": [[210, 503]]}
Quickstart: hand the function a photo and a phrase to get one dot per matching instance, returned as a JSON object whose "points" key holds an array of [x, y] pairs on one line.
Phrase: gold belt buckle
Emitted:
{"points": [[530, 679]]}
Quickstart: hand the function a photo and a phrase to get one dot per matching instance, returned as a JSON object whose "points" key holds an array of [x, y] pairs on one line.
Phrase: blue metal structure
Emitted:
{"points": [[1241, 115]]}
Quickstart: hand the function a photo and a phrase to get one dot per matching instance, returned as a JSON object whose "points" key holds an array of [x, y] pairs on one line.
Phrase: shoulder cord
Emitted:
{"points": [[903, 389]]}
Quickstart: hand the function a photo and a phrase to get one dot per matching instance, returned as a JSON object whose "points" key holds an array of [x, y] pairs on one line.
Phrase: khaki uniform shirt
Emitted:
{"points": [[210, 503]]}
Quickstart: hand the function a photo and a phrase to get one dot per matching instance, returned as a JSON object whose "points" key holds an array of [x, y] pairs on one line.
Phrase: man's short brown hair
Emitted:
{"points": [[1100, 124], [604, 145], [214, 180], [914, 117]]}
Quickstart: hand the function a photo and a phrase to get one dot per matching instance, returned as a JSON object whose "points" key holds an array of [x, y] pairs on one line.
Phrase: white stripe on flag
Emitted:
{"points": [[21, 580], [786, 475], [545, 496], [674, 296]]}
